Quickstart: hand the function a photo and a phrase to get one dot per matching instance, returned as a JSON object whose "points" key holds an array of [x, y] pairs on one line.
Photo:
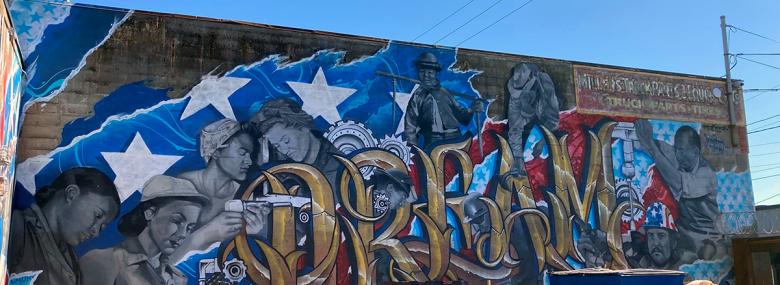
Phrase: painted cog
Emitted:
{"points": [[397, 146], [235, 270], [624, 189], [349, 136]]}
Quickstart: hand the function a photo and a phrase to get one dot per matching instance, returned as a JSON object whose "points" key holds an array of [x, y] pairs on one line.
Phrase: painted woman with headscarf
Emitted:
{"points": [[165, 217]]}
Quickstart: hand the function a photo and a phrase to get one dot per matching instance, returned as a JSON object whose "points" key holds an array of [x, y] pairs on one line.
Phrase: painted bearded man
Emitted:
{"points": [[663, 241]]}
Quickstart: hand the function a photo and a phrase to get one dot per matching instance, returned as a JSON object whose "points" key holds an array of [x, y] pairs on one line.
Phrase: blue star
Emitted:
{"points": [[48, 8], [35, 17]]}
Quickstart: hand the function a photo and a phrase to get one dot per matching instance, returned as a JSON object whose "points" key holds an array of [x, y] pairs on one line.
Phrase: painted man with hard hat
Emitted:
{"points": [[393, 190], [433, 112], [477, 215], [663, 240]]}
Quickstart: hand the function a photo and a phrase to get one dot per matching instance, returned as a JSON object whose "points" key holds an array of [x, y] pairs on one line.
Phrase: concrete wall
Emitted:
{"points": [[500, 167]]}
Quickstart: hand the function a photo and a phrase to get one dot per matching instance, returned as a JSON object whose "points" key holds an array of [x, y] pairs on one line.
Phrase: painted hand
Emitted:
{"points": [[224, 226], [644, 131], [257, 217]]}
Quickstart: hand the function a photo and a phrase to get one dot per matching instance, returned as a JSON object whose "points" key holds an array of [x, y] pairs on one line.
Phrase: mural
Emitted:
{"points": [[384, 168], [10, 88]]}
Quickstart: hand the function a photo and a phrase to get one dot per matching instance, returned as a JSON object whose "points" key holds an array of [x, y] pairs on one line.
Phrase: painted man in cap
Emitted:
{"points": [[433, 112], [663, 240], [692, 182], [227, 150], [477, 215], [393, 189]]}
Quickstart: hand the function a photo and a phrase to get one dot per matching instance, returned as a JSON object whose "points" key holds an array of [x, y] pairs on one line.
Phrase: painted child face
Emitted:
{"points": [[170, 224]]}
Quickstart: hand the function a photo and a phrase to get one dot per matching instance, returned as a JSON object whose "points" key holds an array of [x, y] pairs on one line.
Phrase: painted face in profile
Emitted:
{"points": [[687, 153], [294, 143], [170, 224], [659, 246], [85, 216], [236, 158]]}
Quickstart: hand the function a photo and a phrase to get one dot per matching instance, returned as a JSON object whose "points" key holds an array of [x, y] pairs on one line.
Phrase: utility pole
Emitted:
{"points": [[729, 87]]}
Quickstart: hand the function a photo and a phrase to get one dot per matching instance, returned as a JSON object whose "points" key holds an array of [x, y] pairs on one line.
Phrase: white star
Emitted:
{"points": [[26, 171], [402, 100], [321, 99], [213, 91], [136, 165]]}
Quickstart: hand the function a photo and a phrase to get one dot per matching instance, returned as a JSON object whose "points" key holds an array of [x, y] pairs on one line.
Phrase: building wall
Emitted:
{"points": [[312, 174]]}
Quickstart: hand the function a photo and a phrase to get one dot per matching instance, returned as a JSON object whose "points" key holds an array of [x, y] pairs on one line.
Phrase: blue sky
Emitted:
{"points": [[676, 36]]}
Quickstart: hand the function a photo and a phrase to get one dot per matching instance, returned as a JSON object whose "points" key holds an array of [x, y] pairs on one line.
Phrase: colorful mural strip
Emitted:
{"points": [[11, 89], [385, 168]]}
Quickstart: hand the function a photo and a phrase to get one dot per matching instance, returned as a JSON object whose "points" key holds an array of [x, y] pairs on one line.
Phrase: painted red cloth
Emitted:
{"points": [[538, 177], [656, 191]]}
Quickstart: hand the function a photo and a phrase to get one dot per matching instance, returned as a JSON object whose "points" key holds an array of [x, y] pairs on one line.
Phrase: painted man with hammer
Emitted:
{"points": [[433, 112]]}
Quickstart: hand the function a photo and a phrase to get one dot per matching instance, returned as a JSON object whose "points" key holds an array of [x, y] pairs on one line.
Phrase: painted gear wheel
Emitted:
{"points": [[397, 146], [624, 189], [349, 136], [234, 270]]}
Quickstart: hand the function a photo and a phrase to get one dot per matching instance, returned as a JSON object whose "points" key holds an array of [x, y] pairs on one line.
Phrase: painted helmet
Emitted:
{"points": [[659, 216], [474, 210]]}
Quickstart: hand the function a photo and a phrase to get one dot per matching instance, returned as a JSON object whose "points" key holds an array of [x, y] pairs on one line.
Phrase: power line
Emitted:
{"points": [[761, 130], [496, 22], [758, 62], [765, 177], [770, 164], [467, 22], [764, 119], [754, 96], [771, 168], [763, 144], [770, 197], [752, 33], [765, 154], [442, 20], [761, 90], [772, 123], [758, 54]]}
